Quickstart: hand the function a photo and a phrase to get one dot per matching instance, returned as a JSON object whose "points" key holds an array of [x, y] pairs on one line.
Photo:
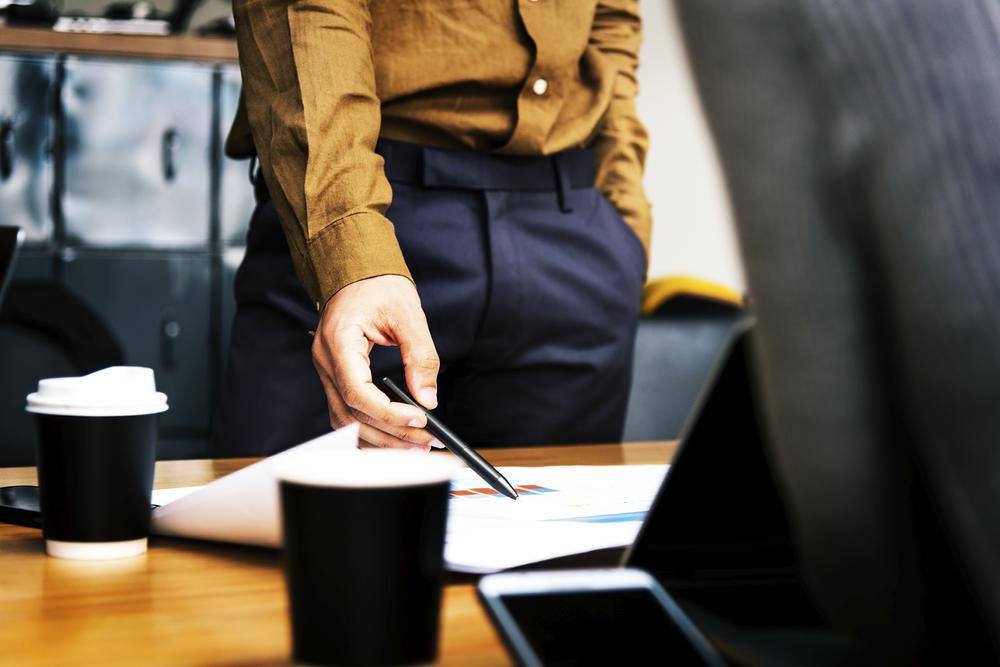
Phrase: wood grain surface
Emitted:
{"points": [[197, 603]]}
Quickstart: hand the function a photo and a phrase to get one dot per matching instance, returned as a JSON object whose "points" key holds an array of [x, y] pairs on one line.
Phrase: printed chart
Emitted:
{"points": [[562, 510], [559, 493]]}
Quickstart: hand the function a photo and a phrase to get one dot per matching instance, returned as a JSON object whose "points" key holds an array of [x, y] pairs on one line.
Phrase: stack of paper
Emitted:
{"points": [[562, 510]]}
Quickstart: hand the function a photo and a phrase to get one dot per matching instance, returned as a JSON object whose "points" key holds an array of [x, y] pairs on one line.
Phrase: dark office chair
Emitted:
{"points": [[45, 331], [684, 325]]}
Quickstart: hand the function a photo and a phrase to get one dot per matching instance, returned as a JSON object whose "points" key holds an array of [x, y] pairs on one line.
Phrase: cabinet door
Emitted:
{"points": [[137, 157], [236, 192], [231, 259], [158, 306], [25, 127], [33, 265]]}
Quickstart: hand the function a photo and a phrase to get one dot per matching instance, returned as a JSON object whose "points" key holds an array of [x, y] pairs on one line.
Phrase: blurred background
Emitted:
{"points": [[111, 161]]}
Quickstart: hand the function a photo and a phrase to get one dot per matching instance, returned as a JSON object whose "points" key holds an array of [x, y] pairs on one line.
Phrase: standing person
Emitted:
{"points": [[861, 145], [459, 186]]}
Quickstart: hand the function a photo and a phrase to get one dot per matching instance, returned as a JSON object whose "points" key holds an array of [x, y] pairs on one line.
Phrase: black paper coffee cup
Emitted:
{"points": [[96, 445], [364, 555]]}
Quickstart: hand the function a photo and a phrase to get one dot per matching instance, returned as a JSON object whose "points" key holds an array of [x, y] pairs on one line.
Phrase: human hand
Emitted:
{"points": [[384, 310]]}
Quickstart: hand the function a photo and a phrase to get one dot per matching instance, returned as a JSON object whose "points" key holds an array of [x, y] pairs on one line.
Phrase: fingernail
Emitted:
{"points": [[436, 444], [428, 397], [417, 422], [421, 448]]}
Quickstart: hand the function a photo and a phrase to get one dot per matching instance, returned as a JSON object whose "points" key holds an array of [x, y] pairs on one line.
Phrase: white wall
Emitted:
{"points": [[692, 227]]}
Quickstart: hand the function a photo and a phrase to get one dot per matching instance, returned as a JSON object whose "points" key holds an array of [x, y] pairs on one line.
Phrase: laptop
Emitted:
{"points": [[717, 535], [11, 239]]}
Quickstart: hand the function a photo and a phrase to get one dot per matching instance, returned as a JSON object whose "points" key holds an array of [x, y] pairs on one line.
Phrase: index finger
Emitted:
{"points": [[353, 377]]}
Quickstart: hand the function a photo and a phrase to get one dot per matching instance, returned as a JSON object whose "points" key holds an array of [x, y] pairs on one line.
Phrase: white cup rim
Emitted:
{"points": [[40, 406], [365, 469]]}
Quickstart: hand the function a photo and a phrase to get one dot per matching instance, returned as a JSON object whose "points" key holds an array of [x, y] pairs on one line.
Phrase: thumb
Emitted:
{"points": [[420, 360]]}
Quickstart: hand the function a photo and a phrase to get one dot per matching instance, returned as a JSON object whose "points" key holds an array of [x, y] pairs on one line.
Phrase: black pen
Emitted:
{"points": [[455, 445]]}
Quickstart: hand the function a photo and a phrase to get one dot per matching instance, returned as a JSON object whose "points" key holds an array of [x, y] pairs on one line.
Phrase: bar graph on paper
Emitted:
{"points": [[523, 490], [593, 494], [561, 510]]}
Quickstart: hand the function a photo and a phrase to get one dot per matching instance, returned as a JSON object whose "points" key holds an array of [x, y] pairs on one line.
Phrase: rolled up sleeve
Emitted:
{"points": [[621, 141], [309, 83]]}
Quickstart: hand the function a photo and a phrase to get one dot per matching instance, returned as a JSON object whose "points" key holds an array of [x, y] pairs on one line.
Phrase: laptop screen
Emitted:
{"points": [[10, 241], [718, 516]]}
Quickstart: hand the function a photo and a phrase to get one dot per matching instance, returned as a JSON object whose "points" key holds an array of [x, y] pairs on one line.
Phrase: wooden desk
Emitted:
{"points": [[197, 603]]}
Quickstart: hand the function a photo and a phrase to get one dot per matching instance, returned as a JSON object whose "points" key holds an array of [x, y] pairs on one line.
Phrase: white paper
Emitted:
{"points": [[241, 507], [164, 496], [482, 546], [562, 510], [591, 493]]}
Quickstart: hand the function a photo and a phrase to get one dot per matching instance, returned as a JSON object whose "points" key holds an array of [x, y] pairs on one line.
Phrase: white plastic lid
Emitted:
{"points": [[366, 468], [118, 391]]}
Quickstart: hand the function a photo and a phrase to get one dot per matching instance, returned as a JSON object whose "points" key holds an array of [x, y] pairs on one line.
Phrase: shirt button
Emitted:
{"points": [[539, 86]]}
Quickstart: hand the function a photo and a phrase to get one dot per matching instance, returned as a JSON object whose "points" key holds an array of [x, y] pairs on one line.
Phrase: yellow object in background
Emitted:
{"points": [[660, 290]]}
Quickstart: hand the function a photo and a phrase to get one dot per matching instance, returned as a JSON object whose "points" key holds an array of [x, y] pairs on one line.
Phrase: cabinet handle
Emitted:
{"points": [[170, 330], [168, 154], [6, 148]]}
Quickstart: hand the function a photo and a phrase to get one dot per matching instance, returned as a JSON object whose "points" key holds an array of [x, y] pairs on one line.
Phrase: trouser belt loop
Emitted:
{"points": [[563, 185]]}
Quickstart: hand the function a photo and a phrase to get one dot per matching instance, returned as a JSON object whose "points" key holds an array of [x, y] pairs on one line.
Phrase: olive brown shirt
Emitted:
{"points": [[323, 79]]}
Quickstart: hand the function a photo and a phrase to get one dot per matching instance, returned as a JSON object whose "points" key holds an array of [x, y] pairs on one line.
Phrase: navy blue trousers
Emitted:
{"points": [[531, 282]]}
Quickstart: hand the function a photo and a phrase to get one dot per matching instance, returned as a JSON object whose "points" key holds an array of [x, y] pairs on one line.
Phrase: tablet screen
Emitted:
{"points": [[607, 627]]}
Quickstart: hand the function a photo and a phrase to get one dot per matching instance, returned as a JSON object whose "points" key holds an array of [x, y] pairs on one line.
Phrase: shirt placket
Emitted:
{"points": [[539, 101]]}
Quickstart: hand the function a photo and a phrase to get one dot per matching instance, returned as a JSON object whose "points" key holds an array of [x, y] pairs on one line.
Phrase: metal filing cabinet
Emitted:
{"points": [[34, 265], [26, 178], [137, 211], [25, 140], [159, 306], [236, 200], [114, 169], [231, 258], [236, 205], [136, 161]]}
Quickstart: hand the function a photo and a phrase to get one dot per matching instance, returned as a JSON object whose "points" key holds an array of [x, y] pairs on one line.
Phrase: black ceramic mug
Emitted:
{"points": [[96, 446], [364, 555]]}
